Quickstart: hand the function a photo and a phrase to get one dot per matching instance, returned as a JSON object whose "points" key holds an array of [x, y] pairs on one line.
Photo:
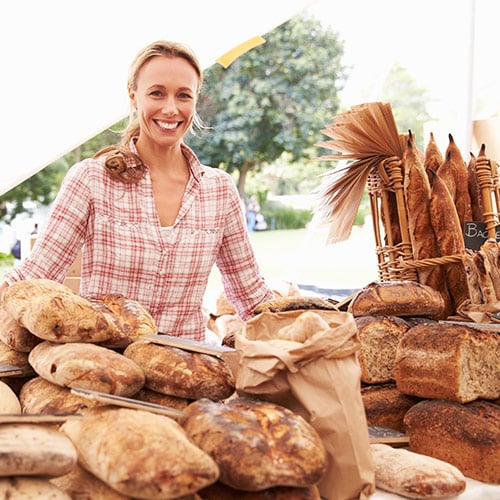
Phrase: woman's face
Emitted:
{"points": [[165, 100]]}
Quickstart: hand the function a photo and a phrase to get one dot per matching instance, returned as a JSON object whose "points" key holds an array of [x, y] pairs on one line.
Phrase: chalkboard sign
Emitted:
{"points": [[476, 234]]}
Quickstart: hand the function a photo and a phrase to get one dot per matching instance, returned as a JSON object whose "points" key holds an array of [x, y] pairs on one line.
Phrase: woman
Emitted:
{"points": [[151, 218]]}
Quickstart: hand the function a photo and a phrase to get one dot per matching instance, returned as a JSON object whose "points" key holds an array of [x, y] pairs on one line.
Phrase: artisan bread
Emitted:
{"points": [[181, 373], [220, 491], [39, 396], [130, 318], [448, 361], [303, 327], [87, 366], [52, 311], [294, 303], [34, 450], [464, 435], [413, 475], [19, 359], [397, 298], [30, 488], [290, 452], [379, 337], [386, 406], [9, 402], [14, 335], [140, 454], [157, 398]]}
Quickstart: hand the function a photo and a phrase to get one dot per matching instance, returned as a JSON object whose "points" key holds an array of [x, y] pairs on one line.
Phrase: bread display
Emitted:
{"points": [[290, 452], [54, 312], [140, 454], [34, 450], [379, 337], [464, 435], [39, 396], [181, 373], [413, 475], [397, 298], [448, 361], [386, 406], [87, 366]]}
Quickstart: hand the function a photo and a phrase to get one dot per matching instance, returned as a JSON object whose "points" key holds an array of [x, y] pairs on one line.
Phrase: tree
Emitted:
{"points": [[273, 99]]}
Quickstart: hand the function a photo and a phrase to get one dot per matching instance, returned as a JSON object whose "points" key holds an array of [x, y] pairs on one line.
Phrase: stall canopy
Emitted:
{"points": [[65, 64]]}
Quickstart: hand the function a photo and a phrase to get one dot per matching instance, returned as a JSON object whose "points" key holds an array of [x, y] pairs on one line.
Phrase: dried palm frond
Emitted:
{"points": [[367, 135]]}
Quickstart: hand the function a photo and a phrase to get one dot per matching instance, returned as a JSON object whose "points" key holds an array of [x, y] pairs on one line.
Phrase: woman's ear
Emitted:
{"points": [[131, 95]]}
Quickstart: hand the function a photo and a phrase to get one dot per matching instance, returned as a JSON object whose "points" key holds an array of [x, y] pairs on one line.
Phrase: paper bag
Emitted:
{"points": [[319, 379]]}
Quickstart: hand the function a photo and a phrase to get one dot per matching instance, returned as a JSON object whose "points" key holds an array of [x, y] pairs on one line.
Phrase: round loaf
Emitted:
{"points": [[87, 366], [256, 444], [397, 298], [182, 373]]}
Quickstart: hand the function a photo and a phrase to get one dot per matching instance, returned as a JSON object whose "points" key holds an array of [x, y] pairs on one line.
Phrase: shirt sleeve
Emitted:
{"points": [[243, 283], [57, 246]]}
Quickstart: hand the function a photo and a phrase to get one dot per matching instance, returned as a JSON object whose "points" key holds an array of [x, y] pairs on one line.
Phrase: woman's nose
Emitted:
{"points": [[169, 105]]}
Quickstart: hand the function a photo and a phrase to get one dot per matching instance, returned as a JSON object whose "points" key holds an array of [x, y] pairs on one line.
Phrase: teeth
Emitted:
{"points": [[169, 126]]}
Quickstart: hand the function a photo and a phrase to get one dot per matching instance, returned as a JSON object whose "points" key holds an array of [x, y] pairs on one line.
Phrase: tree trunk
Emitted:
{"points": [[243, 170]]}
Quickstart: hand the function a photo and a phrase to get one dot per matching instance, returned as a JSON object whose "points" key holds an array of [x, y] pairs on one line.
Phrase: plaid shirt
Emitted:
{"points": [[125, 250]]}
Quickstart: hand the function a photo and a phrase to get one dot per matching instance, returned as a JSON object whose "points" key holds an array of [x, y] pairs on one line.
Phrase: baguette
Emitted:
{"points": [[432, 157]]}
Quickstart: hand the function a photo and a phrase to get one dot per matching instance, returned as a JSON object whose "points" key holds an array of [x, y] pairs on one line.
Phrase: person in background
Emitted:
{"points": [[253, 208], [151, 219]]}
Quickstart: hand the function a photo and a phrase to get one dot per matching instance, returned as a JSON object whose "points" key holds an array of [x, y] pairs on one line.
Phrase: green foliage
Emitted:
{"points": [[279, 216], [275, 98]]}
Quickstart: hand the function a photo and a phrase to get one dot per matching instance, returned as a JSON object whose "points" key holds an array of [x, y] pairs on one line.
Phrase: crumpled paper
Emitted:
{"points": [[320, 380]]}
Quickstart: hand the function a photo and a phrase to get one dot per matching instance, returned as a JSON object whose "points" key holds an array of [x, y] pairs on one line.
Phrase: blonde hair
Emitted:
{"points": [[116, 156]]}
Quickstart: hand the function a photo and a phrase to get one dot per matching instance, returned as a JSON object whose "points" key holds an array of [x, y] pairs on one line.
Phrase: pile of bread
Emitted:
{"points": [[220, 445], [436, 381]]}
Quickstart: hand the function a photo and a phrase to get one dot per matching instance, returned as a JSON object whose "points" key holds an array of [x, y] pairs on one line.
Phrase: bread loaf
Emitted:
{"points": [[87, 366], [14, 335], [448, 361], [293, 303], [34, 450], [39, 396], [386, 406], [464, 435], [379, 337], [290, 452], [9, 402], [30, 488], [140, 454], [220, 491], [413, 475], [397, 298], [9, 356], [53, 312], [303, 327], [181, 373]]}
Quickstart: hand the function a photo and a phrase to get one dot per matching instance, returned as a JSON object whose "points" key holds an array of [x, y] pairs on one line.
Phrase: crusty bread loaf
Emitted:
{"points": [[220, 491], [448, 361], [9, 356], [9, 402], [182, 373], [34, 450], [39, 396], [87, 366], [30, 488], [386, 406], [293, 303], [52, 311], [140, 454], [464, 435], [413, 475], [397, 298], [379, 337], [131, 319], [150, 396], [14, 335], [257, 445]]}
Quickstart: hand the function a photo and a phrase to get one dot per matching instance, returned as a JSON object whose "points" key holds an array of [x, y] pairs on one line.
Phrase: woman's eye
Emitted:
{"points": [[185, 96], [156, 93]]}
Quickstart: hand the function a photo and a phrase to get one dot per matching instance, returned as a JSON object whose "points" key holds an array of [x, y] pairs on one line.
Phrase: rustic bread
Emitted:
{"points": [[182, 373], [131, 319], [397, 298], [87, 366], [39, 396], [379, 337], [413, 475], [9, 402], [293, 303], [14, 335], [19, 359], [303, 327], [52, 311], [448, 361], [220, 491], [140, 454], [30, 488], [157, 398], [386, 406], [34, 450], [290, 452], [464, 435]]}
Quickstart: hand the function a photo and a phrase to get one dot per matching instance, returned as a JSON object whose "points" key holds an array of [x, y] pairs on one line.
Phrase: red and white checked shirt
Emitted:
{"points": [[125, 250]]}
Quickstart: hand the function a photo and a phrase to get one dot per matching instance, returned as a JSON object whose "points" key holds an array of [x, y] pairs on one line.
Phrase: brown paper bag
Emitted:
{"points": [[319, 379]]}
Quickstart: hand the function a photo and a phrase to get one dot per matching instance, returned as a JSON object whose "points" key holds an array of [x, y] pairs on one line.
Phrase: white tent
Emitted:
{"points": [[64, 64]]}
